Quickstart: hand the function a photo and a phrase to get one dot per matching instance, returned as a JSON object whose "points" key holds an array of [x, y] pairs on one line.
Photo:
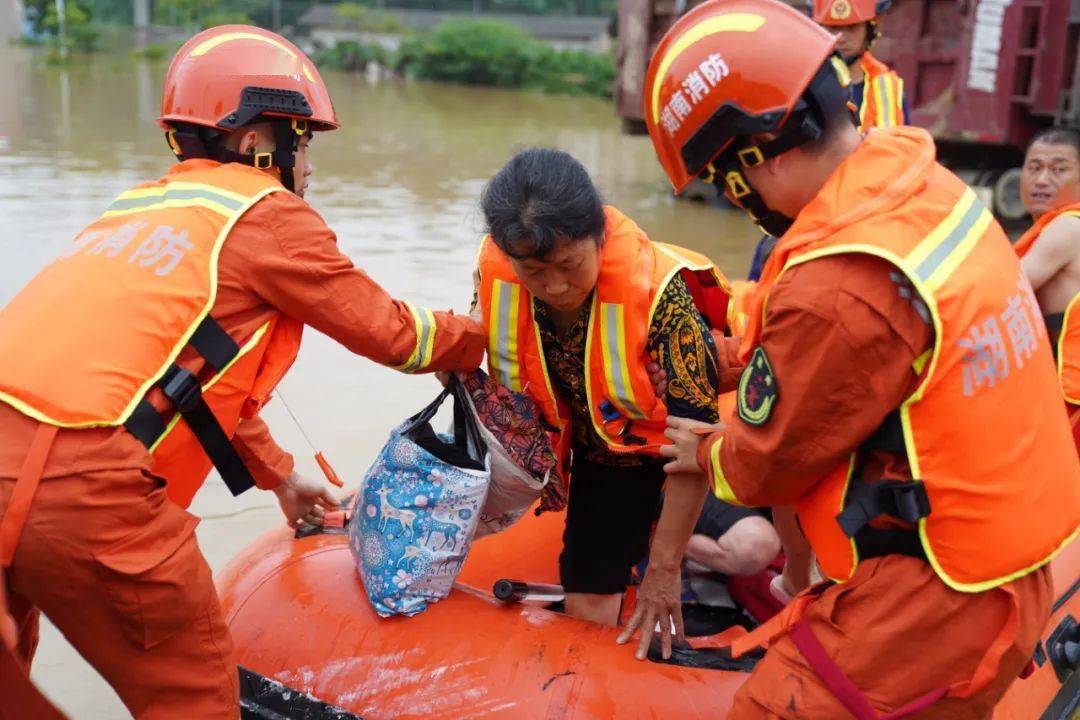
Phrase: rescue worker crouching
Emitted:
{"points": [[147, 349], [1050, 249], [893, 350], [577, 303]]}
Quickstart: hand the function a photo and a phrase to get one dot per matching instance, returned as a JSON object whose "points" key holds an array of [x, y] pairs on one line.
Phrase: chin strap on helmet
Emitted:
{"points": [[189, 142], [286, 110], [826, 94], [748, 154]]}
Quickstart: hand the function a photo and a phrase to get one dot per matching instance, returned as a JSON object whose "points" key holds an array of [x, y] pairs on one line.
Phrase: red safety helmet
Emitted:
{"points": [[230, 76], [732, 69], [227, 76], [838, 13]]}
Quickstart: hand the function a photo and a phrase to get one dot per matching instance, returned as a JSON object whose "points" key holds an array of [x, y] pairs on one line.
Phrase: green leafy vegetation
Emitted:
{"points": [[351, 56], [489, 52]]}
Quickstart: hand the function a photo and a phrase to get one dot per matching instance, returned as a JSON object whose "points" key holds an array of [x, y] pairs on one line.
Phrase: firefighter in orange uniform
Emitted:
{"points": [[893, 354], [1050, 249], [142, 355], [876, 90]]}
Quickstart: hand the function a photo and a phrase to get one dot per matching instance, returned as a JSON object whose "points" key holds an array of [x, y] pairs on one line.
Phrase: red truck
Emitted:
{"points": [[981, 75]]}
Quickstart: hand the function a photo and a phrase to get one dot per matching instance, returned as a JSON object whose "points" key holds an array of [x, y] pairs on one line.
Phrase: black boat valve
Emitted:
{"points": [[517, 591]]}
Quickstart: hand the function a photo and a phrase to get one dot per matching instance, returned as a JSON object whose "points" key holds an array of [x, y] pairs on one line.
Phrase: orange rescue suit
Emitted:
{"points": [[633, 273], [883, 95], [149, 264], [974, 432], [1068, 340]]}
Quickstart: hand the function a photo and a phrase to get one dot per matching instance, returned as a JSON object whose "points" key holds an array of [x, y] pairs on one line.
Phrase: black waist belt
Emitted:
{"points": [[904, 500], [872, 542], [183, 390]]}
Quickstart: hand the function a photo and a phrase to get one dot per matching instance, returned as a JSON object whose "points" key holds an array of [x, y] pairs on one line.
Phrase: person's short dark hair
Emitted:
{"points": [[840, 119], [1059, 135], [539, 197]]}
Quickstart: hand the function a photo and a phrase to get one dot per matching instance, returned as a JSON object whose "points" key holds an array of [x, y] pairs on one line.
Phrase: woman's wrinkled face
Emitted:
{"points": [[564, 278]]}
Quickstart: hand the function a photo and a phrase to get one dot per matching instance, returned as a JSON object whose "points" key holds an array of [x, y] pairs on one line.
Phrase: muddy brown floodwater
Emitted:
{"points": [[399, 183]]}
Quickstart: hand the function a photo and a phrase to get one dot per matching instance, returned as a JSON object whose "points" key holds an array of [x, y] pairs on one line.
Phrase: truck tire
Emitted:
{"points": [[1007, 202]]}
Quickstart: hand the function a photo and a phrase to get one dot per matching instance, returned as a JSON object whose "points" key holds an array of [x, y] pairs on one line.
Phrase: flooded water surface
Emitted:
{"points": [[399, 183]]}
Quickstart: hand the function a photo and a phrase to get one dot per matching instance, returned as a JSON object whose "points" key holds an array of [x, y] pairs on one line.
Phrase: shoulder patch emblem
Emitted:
{"points": [[757, 389]]}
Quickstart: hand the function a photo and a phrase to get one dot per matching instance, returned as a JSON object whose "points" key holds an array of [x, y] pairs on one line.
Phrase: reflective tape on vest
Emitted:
{"points": [[176, 195], [888, 101], [505, 304], [616, 365], [942, 251]]}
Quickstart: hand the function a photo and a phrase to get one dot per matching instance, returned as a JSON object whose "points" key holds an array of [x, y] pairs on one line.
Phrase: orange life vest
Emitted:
{"points": [[634, 271], [1068, 339], [883, 95], [995, 460], [83, 343]]}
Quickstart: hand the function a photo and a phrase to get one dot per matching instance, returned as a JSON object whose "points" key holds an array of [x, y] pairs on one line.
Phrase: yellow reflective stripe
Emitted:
{"points": [[919, 363], [503, 334], [547, 376], [184, 189], [983, 586], [158, 190], [30, 411], [176, 194], [894, 102], [890, 94], [414, 356], [247, 347], [882, 101], [933, 239], [864, 106], [616, 367], [425, 327], [942, 258], [171, 203], [721, 486], [728, 22]]}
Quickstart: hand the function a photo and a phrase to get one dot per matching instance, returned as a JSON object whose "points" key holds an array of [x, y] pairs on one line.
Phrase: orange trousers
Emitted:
{"points": [[116, 567], [898, 632], [21, 698]]}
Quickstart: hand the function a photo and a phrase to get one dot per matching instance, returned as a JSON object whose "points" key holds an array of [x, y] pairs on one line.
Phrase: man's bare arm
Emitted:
{"points": [[1053, 251]]}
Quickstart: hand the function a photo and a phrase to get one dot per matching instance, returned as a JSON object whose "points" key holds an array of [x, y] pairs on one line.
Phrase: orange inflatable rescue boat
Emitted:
{"points": [[310, 646]]}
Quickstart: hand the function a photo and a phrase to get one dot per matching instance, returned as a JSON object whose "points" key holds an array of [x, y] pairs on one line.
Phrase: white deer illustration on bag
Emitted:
{"points": [[388, 512], [450, 530]]}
